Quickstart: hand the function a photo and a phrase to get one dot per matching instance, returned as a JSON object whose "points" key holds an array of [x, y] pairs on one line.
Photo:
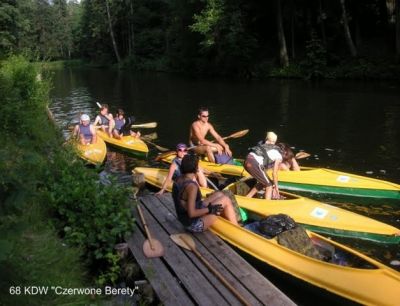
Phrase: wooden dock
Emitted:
{"points": [[180, 278]]}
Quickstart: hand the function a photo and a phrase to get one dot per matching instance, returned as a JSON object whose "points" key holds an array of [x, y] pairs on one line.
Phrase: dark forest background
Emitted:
{"points": [[246, 38]]}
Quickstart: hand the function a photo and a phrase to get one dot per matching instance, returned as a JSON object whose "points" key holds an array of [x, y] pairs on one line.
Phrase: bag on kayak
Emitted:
{"points": [[273, 225], [297, 240], [223, 159]]}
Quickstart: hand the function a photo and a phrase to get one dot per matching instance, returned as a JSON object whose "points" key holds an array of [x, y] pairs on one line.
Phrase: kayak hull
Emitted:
{"points": [[355, 283], [315, 215], [377, 286], [94, 154], [128, 144], [316, 180]]}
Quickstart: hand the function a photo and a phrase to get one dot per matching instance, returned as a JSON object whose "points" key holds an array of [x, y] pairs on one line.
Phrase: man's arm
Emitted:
{"points": [[219, 140]]}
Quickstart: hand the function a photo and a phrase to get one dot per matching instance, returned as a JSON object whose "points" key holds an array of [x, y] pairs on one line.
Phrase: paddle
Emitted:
{"points": [[148, 125], [234, 135], [151, 136], [301, 155], [185, 241], [160, 148], [151, 247]]}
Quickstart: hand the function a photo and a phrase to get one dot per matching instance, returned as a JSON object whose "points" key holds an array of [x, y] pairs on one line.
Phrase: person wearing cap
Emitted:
{"points": [[264, 156], [85, 131], [175, 169], [123, 126], [198, 132], [105, 119]]}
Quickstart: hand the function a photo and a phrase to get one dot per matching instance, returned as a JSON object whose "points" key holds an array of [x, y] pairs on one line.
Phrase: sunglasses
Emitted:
{"points": [[182, 150], [205, 116]]}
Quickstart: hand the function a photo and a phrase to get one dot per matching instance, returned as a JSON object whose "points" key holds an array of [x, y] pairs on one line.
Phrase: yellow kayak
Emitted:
{"points": [[92, 153], [347, 273], [318, 180], [371, 283], [129, 144], [314, 215]]}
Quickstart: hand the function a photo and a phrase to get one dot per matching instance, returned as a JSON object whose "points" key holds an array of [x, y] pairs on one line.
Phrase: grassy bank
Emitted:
{"points": [[58, 224]]}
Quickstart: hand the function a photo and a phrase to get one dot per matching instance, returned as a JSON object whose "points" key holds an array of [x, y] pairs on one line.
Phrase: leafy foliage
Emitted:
{"points": [[315, 63], [45, 190]]}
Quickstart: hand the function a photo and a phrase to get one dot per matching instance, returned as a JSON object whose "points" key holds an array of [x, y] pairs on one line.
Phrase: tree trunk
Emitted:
{"points": [[292, 28], [397, 32], [112, 33], [322, 18], [283, 55], [347, 34], [131, 30]]}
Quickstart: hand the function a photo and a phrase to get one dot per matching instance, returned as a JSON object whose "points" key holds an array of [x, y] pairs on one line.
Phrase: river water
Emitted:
{"points": [[351, 126]]}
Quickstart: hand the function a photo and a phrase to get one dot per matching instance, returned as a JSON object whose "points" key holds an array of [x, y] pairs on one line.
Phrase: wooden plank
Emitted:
{"points": [[167, 287], [250, 278], [173, 226], [202, 291]]}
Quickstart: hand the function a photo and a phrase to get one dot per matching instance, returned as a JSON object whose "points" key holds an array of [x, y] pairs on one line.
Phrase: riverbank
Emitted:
{"points": [[58, 224], [312, 67]]}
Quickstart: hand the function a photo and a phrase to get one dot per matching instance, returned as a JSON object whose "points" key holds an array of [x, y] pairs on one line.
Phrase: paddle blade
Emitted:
{"points": [[238, 134], [302, 155], [164, 155], [151, 136], [145, 125], [184, 241], [160, 148], [153, 249]]}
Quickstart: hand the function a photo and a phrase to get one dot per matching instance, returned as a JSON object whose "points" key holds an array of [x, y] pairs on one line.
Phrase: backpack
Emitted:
{"points": [[297, 240], [273, 225]]}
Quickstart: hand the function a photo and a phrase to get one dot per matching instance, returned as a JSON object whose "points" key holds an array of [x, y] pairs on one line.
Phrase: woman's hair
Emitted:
{"points": [[190, 164], [286, 151], [120, 112]]}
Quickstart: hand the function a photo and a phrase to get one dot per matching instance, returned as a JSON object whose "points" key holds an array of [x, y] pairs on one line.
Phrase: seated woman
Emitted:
{"points": [[105, 119], [85, 131], [123, 126], [175, 169], [195, 214], [289, 161]]}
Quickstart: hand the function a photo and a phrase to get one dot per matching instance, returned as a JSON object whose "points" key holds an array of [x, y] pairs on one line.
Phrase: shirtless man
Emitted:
{"points": [[198, 132]]}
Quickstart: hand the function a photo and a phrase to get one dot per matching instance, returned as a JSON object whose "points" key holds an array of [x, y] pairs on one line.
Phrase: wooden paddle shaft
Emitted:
{"points": [[145, 226], [216, 273]]}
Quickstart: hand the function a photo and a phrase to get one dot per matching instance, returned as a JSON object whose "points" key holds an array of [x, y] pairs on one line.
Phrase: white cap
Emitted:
{"points": [[85, 117], [271, 136]]}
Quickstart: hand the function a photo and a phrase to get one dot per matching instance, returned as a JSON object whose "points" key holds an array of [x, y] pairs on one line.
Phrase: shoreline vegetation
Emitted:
{"points": [[343, 39], [351, 69], [58, 224]]}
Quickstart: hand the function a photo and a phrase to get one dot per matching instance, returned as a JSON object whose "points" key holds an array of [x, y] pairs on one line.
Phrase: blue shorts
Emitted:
{"points": [[197, 225]]}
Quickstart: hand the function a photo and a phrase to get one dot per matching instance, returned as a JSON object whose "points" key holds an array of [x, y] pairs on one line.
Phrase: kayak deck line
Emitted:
{"points": [[180, 278]]}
